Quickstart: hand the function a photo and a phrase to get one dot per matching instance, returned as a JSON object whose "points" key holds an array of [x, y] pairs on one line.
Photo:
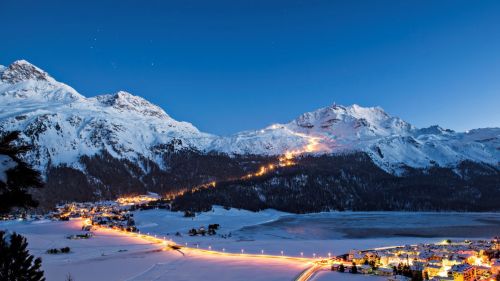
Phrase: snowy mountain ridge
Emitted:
{"points": [[63, 125]]}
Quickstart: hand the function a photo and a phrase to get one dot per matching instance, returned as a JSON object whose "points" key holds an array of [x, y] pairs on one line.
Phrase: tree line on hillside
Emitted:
{"points": [[354, 182]]}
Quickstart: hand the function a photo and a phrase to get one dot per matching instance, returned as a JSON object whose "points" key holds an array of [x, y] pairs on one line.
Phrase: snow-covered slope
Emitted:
{"points": [[390, 141], [63, 125]]}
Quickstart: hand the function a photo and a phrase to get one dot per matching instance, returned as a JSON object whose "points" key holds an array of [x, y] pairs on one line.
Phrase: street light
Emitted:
{"points": [[329, 255], [301, 254], [262, 252], [281, 252], [242, 251], [314, 255]]}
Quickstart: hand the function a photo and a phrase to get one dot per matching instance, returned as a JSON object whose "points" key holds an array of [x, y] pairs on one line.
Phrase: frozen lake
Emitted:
{"points": [[320, 233], [354, 225]]}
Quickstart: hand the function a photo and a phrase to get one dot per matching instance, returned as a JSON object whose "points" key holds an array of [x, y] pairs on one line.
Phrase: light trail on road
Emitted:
{"points": [[315, 264], [309, 272]]}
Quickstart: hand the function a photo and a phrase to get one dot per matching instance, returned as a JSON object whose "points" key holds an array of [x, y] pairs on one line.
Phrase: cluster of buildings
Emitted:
{"points": [[113, 214], [445, 261]]}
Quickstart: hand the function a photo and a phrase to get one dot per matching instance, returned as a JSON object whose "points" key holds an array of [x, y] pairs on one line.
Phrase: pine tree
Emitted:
{"points": [[16, 264], [13, 192], [354, 268]]}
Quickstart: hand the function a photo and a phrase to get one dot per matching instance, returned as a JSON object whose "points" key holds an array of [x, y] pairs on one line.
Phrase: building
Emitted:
{"points": [[495, 267], [384, 271], [398, 278], [432, 270], [463, 272]]}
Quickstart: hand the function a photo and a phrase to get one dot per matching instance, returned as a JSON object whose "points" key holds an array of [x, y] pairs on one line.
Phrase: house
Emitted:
{"points": [[384, 271], [365, 269], [370, 256], [439, 278], [432, 270], [398, 278], [495, 267], [335, 267], [482, 270], [356, 256], [463, 272]]}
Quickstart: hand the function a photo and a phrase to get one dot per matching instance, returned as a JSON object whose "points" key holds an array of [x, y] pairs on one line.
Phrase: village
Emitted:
{"points": [[467, 260]]}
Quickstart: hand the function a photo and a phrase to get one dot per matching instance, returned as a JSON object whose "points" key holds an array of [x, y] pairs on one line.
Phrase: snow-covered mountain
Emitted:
{"points": [[390, 141], [63, 125]]}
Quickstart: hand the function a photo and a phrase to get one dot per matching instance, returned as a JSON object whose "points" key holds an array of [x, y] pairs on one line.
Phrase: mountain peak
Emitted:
{"points": [[22, 70], [327, 116], [125, 101]]}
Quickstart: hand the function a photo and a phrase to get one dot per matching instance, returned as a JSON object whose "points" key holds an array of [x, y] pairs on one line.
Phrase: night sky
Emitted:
{"points": [[234, 65]]}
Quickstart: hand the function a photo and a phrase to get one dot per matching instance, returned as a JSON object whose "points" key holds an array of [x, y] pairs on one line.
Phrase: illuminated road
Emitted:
{"points": [[316, 265], [308, 273]]}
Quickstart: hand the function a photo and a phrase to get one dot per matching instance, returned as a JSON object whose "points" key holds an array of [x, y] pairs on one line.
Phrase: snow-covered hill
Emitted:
{"points": [[63, 125]]}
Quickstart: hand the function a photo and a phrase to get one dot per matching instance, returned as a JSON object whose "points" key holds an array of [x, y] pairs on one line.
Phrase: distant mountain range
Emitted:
{"points": [[112, 144]]}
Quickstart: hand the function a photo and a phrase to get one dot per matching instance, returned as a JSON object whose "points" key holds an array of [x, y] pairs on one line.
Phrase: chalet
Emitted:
{"points": [[463, 272]]}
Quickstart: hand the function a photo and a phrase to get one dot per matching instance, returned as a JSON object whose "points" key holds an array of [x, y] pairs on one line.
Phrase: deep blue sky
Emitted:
{"points": [[234, 65]]}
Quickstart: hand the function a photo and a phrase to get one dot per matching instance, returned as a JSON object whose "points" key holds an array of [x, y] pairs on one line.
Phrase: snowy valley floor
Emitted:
{"points": [[113, 256]]}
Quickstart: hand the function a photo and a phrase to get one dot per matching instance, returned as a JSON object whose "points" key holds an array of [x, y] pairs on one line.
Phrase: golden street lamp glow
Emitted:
{"points": [[316, 265]]}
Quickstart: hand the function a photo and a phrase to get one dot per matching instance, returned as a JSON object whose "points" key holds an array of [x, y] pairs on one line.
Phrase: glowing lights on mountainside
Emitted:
{"points": [[313, 145]]}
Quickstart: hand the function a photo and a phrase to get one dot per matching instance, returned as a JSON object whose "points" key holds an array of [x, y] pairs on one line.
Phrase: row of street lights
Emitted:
{"points": [[242, 251], [224, 250]]}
